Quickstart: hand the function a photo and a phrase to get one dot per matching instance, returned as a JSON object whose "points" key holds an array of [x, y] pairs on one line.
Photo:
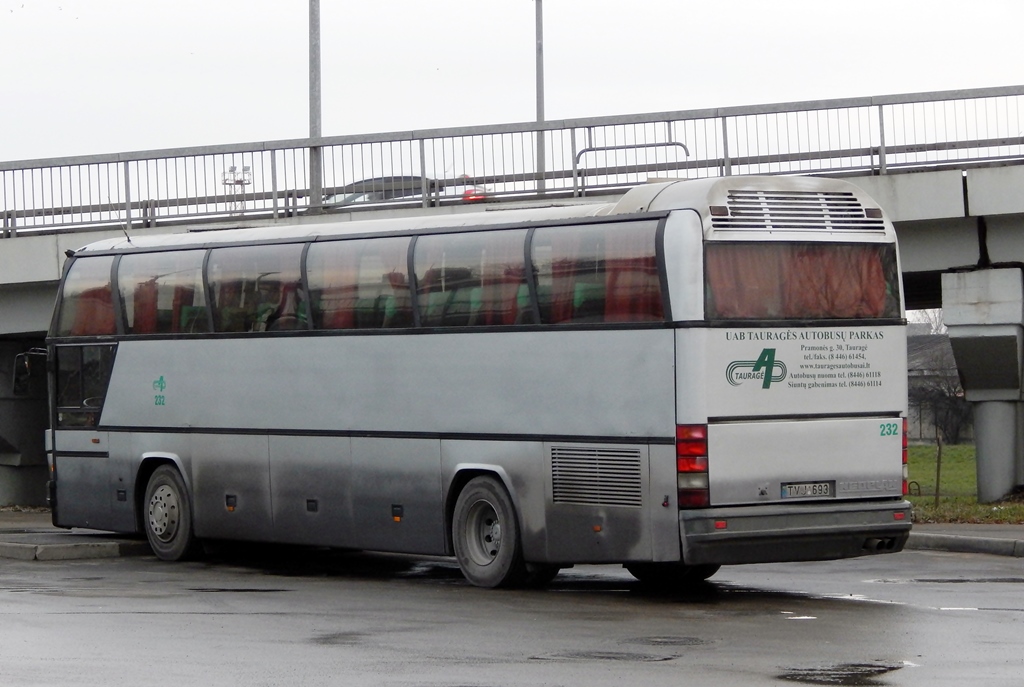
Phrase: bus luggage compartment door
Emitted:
{"points": [[805, 460], [82, 479]]}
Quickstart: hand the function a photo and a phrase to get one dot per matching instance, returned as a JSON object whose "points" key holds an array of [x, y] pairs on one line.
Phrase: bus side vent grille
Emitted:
{"points": [[592, 476], [795, 211]]}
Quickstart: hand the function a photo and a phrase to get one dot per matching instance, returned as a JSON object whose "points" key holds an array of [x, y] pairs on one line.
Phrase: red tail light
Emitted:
{"points": [[692, 440], [906, 473], [692, 466], [692, 463]]}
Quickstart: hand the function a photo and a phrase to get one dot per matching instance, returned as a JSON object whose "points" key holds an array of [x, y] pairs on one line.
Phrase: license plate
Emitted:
{"points": [[808, 490]]}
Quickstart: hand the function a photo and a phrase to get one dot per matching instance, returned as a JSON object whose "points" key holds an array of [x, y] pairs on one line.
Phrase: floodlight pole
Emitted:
{"points": [[541, 162], [316, 182]]}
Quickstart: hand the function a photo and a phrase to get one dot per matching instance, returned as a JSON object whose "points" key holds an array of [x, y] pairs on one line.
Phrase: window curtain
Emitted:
{"points": [[565, 248], [432, 279], [394, 255], [839, 281], [743, 281], [144, 308], [795, 281], [184, 297], [502, 273], [94, 313], [339, 281], [632, 288]]}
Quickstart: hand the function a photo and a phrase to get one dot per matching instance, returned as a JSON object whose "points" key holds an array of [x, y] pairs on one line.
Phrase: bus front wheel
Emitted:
{"points": [[485, 533], [168, 516]]}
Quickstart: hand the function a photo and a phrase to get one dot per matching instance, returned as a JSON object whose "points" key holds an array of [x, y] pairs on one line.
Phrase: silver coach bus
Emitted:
{"points": [[704, 373]]}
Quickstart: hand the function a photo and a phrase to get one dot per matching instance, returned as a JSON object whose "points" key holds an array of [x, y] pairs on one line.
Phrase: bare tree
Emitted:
{"points": [[933, 318], [935, 387]]}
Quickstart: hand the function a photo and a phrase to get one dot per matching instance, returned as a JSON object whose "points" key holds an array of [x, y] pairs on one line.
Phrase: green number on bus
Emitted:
{"points": [[888, 429]]}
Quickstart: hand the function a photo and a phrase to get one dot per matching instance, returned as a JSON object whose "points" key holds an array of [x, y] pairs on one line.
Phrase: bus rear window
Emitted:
{"points": [[776, 280]]}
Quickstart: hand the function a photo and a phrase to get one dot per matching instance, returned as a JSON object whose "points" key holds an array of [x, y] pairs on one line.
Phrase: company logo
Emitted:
{"points": [[766, 369], [159, 385]]}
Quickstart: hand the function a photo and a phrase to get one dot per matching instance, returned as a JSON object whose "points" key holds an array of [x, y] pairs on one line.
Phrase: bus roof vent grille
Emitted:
{"points": [[596, 476], [752, 210]]}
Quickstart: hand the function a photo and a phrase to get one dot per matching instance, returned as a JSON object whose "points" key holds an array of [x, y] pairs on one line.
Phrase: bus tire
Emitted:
{"points": [[168, 516], [485, 534], [671, 575], [538, 576]]}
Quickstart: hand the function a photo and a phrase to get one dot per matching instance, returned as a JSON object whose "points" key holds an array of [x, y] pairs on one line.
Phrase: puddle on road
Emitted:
{"points": [[864, 674], [601, 656], [667, 640], [952, 580], [235, 590], [340, 638]]}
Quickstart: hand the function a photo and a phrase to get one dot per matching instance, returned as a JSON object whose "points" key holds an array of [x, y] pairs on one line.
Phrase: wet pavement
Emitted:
{"points": [[273, 616], [29, 535]]}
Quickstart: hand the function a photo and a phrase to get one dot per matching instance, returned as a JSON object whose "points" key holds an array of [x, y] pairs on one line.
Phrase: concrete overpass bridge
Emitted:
{"points": [[948, 167]]}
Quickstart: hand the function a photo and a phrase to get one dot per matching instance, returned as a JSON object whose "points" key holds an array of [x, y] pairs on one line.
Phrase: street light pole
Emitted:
{"points": [[541, 162], [540, 60], [316, 183]]}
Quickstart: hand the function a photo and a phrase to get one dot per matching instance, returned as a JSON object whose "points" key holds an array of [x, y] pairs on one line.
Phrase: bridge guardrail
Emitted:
{"points": [[873, 135]]}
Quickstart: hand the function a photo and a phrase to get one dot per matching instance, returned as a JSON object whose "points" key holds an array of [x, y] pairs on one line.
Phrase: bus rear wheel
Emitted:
{"points": [[671, 575], [168, 516], [485, 533], [538, 576]]}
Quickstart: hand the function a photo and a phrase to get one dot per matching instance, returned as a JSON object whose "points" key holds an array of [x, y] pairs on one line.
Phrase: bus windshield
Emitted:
{"points": [[801, 280]]}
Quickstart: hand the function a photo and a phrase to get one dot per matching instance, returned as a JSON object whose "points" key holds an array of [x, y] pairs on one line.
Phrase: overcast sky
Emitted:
{"points": [[103, 76]]}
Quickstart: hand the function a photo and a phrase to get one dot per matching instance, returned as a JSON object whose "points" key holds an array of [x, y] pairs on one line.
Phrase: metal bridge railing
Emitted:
{"points": [[874, 135]]}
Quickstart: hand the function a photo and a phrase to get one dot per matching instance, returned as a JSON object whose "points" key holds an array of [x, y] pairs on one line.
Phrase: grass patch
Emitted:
{"points": [[958, 489]]}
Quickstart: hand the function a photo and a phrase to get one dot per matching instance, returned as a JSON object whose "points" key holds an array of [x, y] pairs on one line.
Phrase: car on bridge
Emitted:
{"points": [[381, 190]]}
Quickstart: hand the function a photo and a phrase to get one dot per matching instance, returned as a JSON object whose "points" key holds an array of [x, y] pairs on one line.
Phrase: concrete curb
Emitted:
{"points": [[960, 544], [72, 551]]}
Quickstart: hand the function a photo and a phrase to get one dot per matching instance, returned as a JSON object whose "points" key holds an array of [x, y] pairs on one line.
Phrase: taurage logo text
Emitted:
{"points": [[766, 369]]}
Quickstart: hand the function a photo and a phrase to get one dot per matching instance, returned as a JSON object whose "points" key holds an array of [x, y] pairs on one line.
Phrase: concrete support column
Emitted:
{"points": [[23, 423], [996, 438], [984, 313]]}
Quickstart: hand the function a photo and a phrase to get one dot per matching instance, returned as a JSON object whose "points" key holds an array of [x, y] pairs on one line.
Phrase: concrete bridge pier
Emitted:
{"points": [[998, 440], [23, 423], [984, 313]]}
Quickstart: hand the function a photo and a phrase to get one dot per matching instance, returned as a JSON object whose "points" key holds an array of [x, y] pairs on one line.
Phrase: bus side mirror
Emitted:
{"points": [[22, 373]]}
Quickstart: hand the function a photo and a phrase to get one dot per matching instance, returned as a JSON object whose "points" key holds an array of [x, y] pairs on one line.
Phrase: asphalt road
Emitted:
{"points": [[279, 616]]}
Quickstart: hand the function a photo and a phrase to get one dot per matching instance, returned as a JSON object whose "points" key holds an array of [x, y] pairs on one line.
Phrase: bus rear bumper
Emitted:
{"points": [[793, 532]]}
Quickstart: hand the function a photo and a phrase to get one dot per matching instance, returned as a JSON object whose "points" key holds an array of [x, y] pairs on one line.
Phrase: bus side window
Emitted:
{"points": [[359, 283], [503, 297], [598, 273], [83, 373], [472, 279], [632, 280], [163, 293], [256, 288], [86, 307]]}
